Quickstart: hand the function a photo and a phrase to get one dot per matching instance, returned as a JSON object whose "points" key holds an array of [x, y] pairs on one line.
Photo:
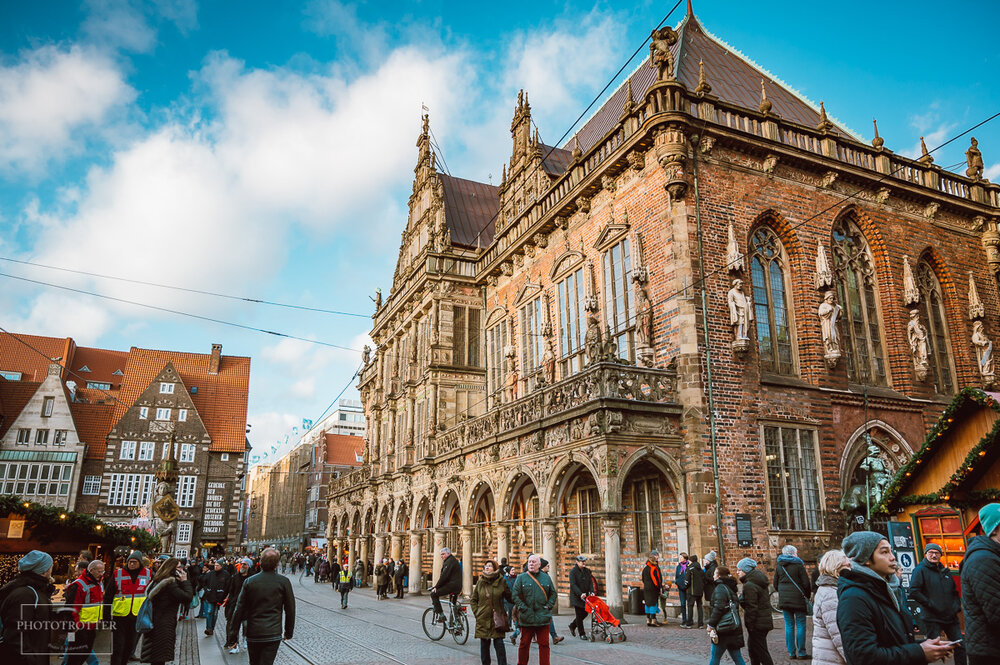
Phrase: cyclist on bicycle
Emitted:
{"points": [[449, 582]]}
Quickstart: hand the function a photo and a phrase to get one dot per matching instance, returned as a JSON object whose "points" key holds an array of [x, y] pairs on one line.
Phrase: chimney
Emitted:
{"points": [[216, 360]]}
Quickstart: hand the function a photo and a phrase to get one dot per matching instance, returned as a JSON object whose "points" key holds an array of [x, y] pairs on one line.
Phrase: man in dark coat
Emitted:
{"points": [[652, 587], [695, 591], [215, 586], [873, 629], [581, 585], [398, 574], [449, 581], [933, 588], [24, 609], [756, 602], [233, 589], [794, 586], [711, 563], [981, 590], [264, 598]]}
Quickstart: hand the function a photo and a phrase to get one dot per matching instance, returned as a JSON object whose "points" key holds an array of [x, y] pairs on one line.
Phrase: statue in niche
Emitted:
{"points": [[829, 313], [510, 379], [917, 335], [740, 315], [974, 158], [548, 362], [871, 479], [984, 353], [522, 537], [593, 342], [643, 326], [659, 52]]}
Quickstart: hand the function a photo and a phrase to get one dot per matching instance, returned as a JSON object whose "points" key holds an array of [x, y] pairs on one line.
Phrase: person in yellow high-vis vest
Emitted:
{"points": [[128, 587], [86, 597]]}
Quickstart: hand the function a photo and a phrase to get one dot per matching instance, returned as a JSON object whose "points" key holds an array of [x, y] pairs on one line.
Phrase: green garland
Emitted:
{"points": [[964, 398], [48, 523]]}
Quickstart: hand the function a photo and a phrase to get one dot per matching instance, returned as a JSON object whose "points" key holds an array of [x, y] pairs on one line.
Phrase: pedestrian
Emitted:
{"points": [[126, 593], [756, 603], [322, 570], [534, 597], [284, 562], [169, 588], [652, 585], [711, 563], [695, 591], [345, 583], [398, 575], [233, 589], [932, 588], [25, 608], [581, 585], [980, 575], [216, 583], [488, 598], [873, 629], [194, 571], [510, 576], [85, 596], [680, 581], [359, 573], [381, 579], [791, 582], [827, 645], [727, 635], [390, 569], [449, 581], [334, 573], [264, 598]]}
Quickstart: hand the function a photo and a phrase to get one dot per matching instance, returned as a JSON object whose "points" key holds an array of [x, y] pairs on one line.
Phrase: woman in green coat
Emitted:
{"points": [[488, 598]]}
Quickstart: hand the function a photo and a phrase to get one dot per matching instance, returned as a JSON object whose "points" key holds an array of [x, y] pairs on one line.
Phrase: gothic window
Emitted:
{"points": [[793, 481], [768, 272], [496, 342], [646, 502], [466, 336], [590, 521], [857, 292], [572, 323], [531, 337], [619, 297], [933, 314]]}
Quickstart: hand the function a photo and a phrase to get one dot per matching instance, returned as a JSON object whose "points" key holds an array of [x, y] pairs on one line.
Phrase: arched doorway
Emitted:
{"points": [[871, 458], [523, 509]]}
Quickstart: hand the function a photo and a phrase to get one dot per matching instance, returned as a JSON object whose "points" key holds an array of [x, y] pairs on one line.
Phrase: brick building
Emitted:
{"points": [[566, 363]]}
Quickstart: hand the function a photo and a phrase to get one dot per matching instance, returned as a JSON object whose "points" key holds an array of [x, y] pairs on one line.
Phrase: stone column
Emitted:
{"points": [[416, 556], [379, 548], [549, 529], [503, 541], [352, 553], [364, 557], [396, 546], [439, 537], [466, 533], [613, 562]]}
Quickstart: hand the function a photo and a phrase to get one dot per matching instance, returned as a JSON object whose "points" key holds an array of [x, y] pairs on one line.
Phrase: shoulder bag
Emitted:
{"points": [[730, 621], [809, 605], [499, 617]]}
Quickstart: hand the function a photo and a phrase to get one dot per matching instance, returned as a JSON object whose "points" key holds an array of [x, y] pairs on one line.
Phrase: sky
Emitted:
{"points": [[266, 150]]}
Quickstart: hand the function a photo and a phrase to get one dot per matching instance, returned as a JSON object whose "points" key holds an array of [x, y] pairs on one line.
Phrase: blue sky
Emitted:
{"points": [[266, 149]]}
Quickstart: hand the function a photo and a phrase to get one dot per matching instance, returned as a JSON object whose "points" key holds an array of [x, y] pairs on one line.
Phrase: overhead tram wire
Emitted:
{"points": [[256, 301]]}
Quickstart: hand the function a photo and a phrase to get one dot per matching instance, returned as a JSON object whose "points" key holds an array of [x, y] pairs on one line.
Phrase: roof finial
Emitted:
{"points": [[629, 104], [878, 141], [925, 157], [765, 103], [703, 85], [577, 153], [824, 124], [690, 9]]}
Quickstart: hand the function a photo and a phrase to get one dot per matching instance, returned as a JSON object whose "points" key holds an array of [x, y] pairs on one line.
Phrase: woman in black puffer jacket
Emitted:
{"points": [[168, 590], [726, 641]]}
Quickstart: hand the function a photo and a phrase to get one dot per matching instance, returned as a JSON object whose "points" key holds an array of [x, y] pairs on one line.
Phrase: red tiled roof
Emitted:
{"points": [[102, 363], [221, 399], [93, 422], [343, 449], [470, 209], [14, 396], [32, 354]]}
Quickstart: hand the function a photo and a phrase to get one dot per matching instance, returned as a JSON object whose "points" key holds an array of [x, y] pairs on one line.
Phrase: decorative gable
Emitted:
{"points": [[611, 234]]}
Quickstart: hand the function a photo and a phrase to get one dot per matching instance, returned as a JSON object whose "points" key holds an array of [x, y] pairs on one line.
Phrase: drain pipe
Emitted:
{"points": [[708, 353]]}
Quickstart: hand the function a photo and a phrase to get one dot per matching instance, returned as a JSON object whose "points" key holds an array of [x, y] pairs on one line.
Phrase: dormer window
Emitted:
{"points": [[98, 385], [11, 376], [166, 389]]}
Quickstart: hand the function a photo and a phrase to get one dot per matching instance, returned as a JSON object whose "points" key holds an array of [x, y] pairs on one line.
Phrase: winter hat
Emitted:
{"points": [[746, 564], [246, 561], [580, 557], [137, 555], [655, 553], [543, 564], [35, 561], [933, 546], [861, 545], [989, 517], [712, 555]]}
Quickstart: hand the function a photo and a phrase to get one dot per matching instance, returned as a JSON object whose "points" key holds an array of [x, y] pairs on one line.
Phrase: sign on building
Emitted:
{"points": [[217, 499]]}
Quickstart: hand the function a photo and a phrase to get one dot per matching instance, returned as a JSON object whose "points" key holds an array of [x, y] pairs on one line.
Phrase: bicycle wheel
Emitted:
{"points": [[461, 631], [432, 629]]}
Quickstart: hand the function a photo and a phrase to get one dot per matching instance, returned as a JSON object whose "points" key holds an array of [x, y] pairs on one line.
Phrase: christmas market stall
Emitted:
{"points": [[956, 471], [26, 526]]}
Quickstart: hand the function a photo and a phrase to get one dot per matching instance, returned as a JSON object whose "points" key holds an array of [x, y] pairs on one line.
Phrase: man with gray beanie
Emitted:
{"points": [[981, 590], [24, 603], [872, 625], [932, 588]]}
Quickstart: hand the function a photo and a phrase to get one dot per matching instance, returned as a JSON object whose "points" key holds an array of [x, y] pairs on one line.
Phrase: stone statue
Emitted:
{"points": [[378, 299], [740, 315], [522, 537], [366, 355], [510, 379], [829, 312], [549, 362], [864, 494], [643, 326], [593, 342], [917, 335], [974, 158], [984, 353], [659, 52], [163, 525]]}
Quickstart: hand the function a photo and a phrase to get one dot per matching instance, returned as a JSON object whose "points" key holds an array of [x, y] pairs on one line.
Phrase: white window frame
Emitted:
{"points": [[184, 530], [570, 297], [127, 450], [182, 415], [186, 488], [48, 406], [60, 438], [143, 412], [41, 437], [166, 388], [91, 486], [224, 457], [187, 452], [162, 413], [181, 552], [24, 436], [783, 466], [98, 385], [146, 451]]}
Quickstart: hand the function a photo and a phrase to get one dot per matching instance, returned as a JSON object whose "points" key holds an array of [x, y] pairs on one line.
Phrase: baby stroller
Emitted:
{"points": [[603, 625]]}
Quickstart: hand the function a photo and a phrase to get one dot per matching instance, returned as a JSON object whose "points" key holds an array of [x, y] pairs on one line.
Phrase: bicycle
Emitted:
{"points": [[455, 621]]}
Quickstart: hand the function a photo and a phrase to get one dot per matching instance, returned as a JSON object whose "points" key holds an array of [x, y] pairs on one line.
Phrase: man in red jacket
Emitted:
{"points": [[128, 593], [86, 596]]}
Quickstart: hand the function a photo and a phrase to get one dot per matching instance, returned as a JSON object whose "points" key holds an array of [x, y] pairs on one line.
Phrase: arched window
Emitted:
{"points": [[932, 312], [768, 269], [857, 291]]}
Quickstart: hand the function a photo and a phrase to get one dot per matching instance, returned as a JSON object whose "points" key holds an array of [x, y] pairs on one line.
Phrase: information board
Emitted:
{"points": [[901, 540], [744, 530], [215, 520]]}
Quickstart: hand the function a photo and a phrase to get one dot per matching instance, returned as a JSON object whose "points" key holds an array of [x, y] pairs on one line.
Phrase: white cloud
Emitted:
{"points": [[992, 173], [131, 24], [50, 98], [54, 314]]}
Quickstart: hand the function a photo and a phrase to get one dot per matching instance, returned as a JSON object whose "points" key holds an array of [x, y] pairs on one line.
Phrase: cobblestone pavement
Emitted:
{"points": [[389, 631]]}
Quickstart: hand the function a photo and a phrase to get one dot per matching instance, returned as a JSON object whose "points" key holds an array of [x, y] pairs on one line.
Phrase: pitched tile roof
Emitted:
{"points": [[102, 363], [93, 422], [343, 449], [14, 396], [32, 354], [221, 399], [555, 161], [734, 78], [470, 210]]}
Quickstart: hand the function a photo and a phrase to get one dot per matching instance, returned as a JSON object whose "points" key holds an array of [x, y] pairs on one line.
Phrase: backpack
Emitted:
{"points": [[1, 616], [144, 620]]}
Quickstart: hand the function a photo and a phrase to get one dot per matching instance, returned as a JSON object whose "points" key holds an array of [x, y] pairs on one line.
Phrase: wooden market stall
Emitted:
{"points": [[955, 472]]}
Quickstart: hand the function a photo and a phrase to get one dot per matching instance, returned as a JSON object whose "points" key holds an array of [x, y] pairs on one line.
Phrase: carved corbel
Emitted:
{"points": [[583, 204], [507, 268], [707, 143], [767, 166], [931, 210], [828, 179], [882, 195], [637, 160]]}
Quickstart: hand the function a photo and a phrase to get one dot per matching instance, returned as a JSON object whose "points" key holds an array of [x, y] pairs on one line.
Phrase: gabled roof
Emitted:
{"points": [[343, 449], [14, 396], [32, 354], [102, 363], [470, 210], [221, 399], [93, 422], [734, 78]]}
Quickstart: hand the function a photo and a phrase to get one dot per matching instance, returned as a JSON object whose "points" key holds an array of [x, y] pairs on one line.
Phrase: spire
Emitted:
{"points": [[765, 103], [976, 309], [925, 157], [911, 294], [878, 141], [690, 9], [425, 159], [824, 124], [629, 103], [577, 153], [703, 85]]}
